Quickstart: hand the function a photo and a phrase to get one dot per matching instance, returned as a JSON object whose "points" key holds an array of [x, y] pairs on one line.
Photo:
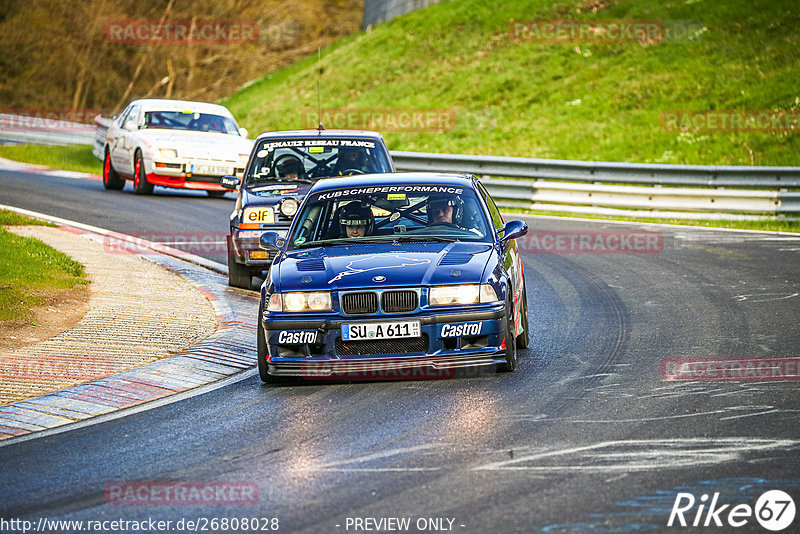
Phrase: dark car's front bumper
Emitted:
{"points": [[315, 348], [243, 246]]}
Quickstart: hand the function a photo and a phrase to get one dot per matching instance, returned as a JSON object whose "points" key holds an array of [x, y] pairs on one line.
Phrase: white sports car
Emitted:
{"points": [[174, 143]]}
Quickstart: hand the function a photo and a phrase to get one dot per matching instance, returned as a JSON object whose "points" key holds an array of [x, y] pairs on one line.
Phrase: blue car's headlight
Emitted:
{"points": [[463, 294], [300, 301]]}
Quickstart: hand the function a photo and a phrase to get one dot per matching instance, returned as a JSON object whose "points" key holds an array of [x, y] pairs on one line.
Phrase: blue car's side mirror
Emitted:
{"points": [[271, 241], [514, 230]]}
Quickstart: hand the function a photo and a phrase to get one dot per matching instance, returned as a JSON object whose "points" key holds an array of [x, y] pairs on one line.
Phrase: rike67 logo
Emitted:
{"points": [[774, 510]]}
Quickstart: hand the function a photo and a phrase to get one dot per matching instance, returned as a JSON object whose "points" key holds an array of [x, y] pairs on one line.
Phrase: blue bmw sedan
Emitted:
{"points": [[392, 276]]}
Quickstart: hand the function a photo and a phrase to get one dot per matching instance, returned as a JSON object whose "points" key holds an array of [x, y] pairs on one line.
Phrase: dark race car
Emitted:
{"points": [[408, 275], [281, 168]]}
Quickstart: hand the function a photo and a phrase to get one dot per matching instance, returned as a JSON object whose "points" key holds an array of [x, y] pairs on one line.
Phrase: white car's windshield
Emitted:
{"points": [[311, 159], [187, 120], [390, 213]]}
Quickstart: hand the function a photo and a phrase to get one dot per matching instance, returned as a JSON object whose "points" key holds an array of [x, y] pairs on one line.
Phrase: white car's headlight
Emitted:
{"points": [[459, 295], [168, 152], [300, 301]]}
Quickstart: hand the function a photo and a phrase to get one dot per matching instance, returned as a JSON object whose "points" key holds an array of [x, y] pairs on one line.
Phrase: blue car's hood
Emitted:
{"points": [[406, 264]]}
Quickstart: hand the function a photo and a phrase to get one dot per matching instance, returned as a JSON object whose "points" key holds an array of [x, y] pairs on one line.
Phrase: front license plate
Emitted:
{"points": [[353, 332], [212, 170]]}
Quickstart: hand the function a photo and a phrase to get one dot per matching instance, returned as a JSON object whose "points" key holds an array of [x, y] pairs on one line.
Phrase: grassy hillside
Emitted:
{"points": [[552, 100]]}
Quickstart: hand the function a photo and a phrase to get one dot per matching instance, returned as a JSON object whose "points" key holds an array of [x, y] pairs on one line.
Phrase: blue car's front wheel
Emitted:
{"points": [[510, 341]]}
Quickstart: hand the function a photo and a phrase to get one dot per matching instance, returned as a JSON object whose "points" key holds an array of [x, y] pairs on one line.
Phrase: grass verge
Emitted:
{"points": [[30, 271], [67, 158]]}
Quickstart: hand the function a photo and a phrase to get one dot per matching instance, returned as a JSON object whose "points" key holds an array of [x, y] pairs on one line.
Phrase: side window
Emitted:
{"points": [[123, 116], [497, 219], [133, 115]]}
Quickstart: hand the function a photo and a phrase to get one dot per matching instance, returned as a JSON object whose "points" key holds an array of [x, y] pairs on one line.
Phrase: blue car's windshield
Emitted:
{"points": [[391, 213], [310, 159]]}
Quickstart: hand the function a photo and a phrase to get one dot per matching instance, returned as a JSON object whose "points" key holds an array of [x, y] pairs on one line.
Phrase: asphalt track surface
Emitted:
{"points": [[585, 436]]}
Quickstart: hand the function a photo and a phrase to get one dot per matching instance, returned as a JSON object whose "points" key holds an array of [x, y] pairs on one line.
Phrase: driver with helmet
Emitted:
{"points": [[290, 167], [350, 159], [445, 209], [448, 210], [356, 220]]}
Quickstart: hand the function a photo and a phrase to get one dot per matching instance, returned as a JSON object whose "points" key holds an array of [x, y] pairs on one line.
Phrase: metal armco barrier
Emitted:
{"points": [[691, 192], [698, 191]]}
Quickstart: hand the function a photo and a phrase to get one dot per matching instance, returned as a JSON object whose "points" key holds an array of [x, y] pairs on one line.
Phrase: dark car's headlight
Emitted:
{"points": [[462, 294], [300, 301], [289, 207]]}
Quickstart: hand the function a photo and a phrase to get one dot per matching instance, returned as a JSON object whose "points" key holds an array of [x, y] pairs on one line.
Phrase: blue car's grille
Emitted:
{"points": [[369, 347], [399, 301], [361, 303]]}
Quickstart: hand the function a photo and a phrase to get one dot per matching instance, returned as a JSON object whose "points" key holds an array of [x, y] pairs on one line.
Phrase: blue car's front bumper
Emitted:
{"points": [[313, 347]]}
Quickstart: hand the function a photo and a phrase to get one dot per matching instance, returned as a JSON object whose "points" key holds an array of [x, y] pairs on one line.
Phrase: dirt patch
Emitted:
{"points": [[63, 309]]}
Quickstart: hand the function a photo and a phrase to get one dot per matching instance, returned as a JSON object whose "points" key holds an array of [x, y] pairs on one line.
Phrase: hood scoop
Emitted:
{"points": [[313, 264], [455, 258]]}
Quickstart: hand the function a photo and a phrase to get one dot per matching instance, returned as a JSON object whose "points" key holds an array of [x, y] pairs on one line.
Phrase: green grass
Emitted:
{"points": [[10, 218], [566, 101], [31, 270], [69, 158]]}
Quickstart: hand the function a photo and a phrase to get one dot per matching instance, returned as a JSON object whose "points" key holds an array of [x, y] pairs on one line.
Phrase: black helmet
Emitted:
{"points": [[350, 158], [437, 200], [290, 165], [356, 214]]}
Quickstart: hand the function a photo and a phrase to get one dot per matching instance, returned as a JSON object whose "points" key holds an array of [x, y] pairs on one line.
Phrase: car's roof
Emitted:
{"points": [[393, 178], [320, 133], [161, 104]]}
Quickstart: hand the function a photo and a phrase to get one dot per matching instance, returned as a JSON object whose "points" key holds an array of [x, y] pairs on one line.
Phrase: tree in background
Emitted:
{"points": [[57, 55]]}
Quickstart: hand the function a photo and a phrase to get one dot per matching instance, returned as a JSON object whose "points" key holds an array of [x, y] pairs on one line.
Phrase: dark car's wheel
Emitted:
{"points": [[238, 275], [140, 184], [524, 338], [511, 342], [261, 345], [216, 194], [111, 179]]}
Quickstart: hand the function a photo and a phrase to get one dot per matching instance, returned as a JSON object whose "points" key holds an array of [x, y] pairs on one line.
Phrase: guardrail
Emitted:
{"points": [[591, 187], [100, 136]]}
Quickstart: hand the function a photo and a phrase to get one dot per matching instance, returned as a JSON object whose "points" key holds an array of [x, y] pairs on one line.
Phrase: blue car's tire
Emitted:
{"points": [[511, 342]]}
